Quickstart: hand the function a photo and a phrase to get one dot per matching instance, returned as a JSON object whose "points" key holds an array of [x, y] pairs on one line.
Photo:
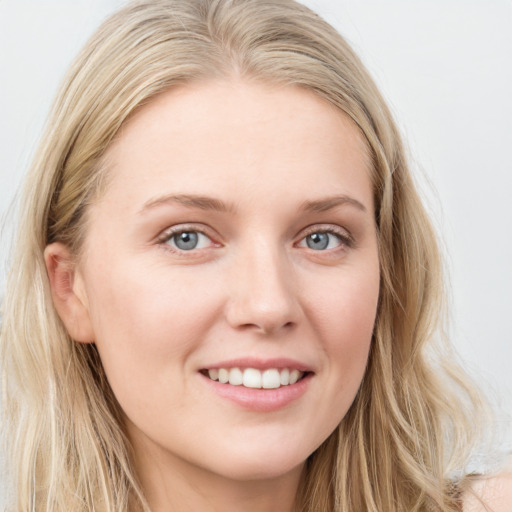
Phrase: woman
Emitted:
{"points": [[226, 292]]}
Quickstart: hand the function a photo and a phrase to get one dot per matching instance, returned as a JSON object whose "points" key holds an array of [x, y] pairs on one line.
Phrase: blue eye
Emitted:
{"points": [[321, 241], [189, 240]]}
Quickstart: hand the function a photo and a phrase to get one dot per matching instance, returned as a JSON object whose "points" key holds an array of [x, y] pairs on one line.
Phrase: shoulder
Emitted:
{"points": [[489, 494]]}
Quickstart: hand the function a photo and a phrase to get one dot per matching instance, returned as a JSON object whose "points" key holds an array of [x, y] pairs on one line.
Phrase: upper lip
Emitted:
{"points": [[261, 364]]}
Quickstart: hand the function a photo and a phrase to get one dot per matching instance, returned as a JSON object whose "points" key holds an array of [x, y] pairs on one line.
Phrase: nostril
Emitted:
{"points": [[267, 327]]}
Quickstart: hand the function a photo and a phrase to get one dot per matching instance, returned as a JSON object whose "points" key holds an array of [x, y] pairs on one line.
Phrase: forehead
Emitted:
{"points": [[226, 136]]}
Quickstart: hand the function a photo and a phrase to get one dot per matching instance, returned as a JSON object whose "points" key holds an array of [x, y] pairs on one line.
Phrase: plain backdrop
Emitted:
{"points": [[445, 67]]}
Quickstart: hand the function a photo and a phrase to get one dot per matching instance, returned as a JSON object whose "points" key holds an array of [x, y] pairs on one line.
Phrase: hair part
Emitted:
{"points": [[412, 423]]}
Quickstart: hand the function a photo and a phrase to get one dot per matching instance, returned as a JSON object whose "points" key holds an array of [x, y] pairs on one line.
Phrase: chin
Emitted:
{"points": [[260, 463], [259, 470]]}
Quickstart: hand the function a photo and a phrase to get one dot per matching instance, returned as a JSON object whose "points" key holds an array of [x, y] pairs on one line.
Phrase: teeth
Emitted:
{"points": [[235, 377], [270, 379], [256, 379], [294, 376], [252, 378]]}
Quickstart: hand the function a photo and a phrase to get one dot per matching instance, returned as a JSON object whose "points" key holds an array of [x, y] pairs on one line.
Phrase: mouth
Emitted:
{"points": [[270, 378]]}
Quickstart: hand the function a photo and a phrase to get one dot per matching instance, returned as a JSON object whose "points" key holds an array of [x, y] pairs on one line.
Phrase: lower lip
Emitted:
{"points": [[260, 400]]}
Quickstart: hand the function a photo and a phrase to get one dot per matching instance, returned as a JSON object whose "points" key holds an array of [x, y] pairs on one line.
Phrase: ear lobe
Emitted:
{"points": [[68, 293]]}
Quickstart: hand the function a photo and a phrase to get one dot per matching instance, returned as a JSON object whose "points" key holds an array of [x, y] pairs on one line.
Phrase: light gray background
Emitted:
{"points": [[445, 67]]}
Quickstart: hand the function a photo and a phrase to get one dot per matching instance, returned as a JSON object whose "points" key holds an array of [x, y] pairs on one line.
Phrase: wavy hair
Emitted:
{"points": [[412, 424]]}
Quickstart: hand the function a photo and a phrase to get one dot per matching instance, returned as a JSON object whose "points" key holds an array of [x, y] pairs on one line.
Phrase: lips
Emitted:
{"points": [[261, 386], [269, 378], [261, 379]]}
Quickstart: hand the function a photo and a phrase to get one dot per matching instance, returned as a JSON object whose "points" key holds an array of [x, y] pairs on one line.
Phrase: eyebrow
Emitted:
{"points": [[213, 204], [323, 205], [191, 201]]}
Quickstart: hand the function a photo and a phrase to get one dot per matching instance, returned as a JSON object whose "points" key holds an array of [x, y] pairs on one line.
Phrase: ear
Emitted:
{"points": [[68, 292]]}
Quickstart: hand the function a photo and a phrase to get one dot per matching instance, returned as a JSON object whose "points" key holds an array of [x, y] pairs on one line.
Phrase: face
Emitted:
{"points": [[235, 241]]}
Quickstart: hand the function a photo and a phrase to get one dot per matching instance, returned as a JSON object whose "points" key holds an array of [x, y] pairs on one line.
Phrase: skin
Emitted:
{"points": [[493, 494], [275, 157]]}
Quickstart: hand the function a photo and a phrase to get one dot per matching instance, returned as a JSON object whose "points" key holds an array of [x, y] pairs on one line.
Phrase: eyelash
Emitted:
{"points": [[164, 239], [345, 240]]}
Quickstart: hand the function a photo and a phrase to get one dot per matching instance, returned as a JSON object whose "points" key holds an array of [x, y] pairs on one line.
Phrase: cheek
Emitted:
{"points": [[345, 315], [347, 303], [140, 299], [143, 320]]}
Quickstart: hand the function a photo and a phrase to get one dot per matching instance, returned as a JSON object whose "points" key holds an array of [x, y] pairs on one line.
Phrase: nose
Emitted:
{"points": [[263, 292]]}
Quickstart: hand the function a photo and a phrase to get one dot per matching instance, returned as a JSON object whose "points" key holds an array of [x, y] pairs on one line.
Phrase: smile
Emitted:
{"points": [[271, 378]]}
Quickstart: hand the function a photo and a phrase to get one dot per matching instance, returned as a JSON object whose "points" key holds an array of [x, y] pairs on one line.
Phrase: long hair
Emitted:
{"points": [[412, 424]]}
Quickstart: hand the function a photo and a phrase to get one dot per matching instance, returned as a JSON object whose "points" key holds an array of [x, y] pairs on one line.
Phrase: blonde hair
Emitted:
{"points": [[412, 424]]}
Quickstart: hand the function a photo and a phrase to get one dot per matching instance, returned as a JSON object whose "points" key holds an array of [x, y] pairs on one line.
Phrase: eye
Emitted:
{"points": [[188, 240], [324, 240]]}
